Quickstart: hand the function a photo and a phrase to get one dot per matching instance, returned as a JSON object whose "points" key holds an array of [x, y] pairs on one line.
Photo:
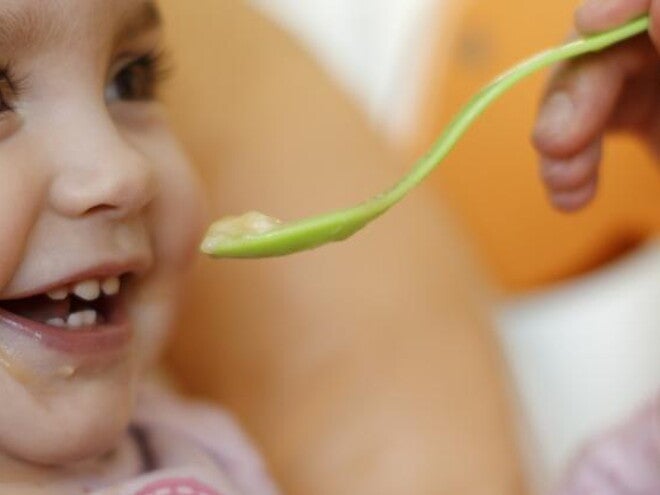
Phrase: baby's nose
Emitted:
{"points": [[110, 176]]}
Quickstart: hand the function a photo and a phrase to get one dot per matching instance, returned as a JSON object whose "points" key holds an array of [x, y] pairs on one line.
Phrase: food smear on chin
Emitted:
{"points": [[16, 371]]}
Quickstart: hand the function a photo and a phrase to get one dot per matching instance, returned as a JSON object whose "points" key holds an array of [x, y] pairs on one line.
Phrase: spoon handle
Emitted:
{"points": [[492, 91], [256, 235]]}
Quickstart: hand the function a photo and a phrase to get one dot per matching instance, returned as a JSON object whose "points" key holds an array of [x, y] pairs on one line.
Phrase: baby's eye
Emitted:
{"points": [[5, 96], [8, 90], [136, 80]]}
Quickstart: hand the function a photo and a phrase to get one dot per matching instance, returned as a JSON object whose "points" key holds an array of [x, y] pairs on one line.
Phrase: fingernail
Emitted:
{"points": [[592, 4], [596, 6], [556, 116], [598, 15]]}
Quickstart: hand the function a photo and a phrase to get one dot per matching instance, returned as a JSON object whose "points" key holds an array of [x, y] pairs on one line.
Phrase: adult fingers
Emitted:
{"points": [[583, 96], [571, 174], [570, 201], [571, 184], [599, 15]]}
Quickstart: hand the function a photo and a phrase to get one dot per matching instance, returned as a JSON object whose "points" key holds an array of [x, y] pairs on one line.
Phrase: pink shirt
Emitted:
{"points": [[624, 461], [189, 448]]}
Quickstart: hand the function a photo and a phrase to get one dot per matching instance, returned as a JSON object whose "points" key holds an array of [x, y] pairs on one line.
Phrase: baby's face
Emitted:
{"points": [[100, 215]]}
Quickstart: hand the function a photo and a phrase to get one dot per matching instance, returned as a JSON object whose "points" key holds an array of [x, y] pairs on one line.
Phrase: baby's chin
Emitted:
{"points": [[68, 397], [65, 420], [63, 404]]}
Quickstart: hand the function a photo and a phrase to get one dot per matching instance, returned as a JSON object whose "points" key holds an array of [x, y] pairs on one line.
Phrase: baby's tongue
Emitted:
{"points": [[39, 308]]}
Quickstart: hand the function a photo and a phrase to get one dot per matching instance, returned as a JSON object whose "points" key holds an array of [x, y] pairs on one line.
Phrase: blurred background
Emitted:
{"points": [[575, 306]]}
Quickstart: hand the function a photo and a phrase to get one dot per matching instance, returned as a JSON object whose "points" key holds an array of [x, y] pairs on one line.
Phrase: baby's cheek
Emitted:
{"points": [[20, 203], [153, 312], [181, 216]]}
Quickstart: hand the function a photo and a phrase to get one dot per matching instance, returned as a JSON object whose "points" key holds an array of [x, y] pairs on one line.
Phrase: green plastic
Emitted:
{"points": [[287, 238]]}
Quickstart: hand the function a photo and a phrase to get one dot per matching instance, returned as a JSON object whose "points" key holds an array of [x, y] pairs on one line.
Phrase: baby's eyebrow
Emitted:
{"points": [[28, 27], [144, 18], [25, 27]]}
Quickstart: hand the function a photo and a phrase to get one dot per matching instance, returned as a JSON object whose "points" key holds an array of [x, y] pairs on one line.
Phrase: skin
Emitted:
{"points": [[89, 177], [615, 90]]}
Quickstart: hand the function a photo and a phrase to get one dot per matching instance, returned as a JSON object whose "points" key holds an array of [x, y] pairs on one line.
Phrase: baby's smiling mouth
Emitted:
{"points": [[85, 314], [84, 305]]}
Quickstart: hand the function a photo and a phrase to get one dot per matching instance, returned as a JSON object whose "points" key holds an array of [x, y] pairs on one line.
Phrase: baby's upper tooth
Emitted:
{"points": [[58, 294], [87, 290], [110, 286]]}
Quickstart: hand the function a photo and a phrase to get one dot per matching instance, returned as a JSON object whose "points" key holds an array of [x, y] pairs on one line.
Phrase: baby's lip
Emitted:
{"points": [[99, 340], [133, 267], [108, 332]]}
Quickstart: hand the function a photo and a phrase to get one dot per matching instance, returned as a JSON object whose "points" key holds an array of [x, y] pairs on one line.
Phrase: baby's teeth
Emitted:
{"points": [[75, 320], [83, 318], [110, 286], [88, 317], [56, 322], [58, 294], [88, 290]]}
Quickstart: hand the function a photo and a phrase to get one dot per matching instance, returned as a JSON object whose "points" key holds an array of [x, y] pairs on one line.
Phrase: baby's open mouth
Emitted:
{"points": [[79, 306]]}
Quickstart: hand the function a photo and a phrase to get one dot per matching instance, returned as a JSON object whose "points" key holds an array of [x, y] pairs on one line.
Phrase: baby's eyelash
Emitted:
{"points": [[139, 79], [157, 63], [15, 82], [11, 87]]}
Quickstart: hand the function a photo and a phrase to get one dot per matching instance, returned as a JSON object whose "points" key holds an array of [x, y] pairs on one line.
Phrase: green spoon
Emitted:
{"points": [[255, 235]]}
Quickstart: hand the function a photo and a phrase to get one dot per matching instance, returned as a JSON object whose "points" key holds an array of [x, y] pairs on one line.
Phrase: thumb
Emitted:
{"points": [[594, 16]]}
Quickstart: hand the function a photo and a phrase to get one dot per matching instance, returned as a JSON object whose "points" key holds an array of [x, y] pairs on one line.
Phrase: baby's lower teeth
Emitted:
{"points": [[78, 319], [89, 317], [56, 322], [81, 318]]}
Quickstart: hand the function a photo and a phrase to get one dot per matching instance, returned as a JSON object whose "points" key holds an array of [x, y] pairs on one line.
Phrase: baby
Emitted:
{"points": [[101, 216], [615, 90]]}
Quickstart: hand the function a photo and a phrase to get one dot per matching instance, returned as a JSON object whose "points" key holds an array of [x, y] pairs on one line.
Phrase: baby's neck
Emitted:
{"points": [[22, 478]]}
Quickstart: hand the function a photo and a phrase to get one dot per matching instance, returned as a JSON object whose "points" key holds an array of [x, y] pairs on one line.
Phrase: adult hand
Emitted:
{"points": [[615, 90]]}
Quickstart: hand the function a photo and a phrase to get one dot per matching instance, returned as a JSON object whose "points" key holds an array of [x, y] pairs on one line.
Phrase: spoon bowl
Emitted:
{"points": [[255, 235]]}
